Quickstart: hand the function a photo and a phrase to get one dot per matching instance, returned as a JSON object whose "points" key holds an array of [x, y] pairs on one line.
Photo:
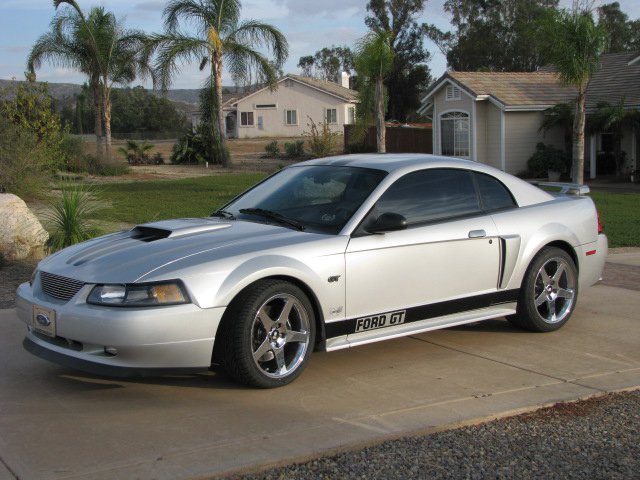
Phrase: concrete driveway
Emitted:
{"points": [[56, 423]]}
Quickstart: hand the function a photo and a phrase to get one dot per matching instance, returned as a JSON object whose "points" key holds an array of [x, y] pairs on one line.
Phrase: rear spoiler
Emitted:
{"points": [[563, 188]]}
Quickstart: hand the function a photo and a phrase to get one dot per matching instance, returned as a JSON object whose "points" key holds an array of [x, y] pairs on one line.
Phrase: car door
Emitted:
{"points": [[446, 260]]}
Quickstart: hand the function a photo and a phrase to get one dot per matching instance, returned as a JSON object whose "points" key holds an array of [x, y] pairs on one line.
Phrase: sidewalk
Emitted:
{"points": [[61, 424]]}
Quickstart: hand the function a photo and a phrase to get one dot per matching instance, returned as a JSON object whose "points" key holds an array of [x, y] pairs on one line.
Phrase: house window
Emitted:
{"points": [[453, 93], [246, 119], [331, 115], [351, 115], [454, 134], [291, 117]]}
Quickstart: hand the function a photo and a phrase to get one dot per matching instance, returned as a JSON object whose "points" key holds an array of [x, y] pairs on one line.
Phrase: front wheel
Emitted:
{"points": [[267, 334], [549, 292]]}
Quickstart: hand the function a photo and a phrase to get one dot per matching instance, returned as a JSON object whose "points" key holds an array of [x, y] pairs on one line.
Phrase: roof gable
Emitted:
{"points": [[329, 88], [617, 78]]}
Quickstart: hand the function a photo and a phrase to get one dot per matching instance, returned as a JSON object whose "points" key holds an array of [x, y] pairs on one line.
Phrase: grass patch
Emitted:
{"points": [[620, 213], [147, 201]]}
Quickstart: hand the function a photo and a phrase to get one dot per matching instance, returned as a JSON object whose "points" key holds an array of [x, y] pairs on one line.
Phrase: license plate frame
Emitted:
{"points": [[43, 320]]}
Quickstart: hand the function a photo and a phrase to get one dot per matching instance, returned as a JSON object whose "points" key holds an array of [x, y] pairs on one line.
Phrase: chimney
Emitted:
{"points": [[345, 80]]}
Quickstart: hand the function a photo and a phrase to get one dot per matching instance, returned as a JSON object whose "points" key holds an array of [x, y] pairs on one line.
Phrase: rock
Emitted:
{"points": [[21, 234]]}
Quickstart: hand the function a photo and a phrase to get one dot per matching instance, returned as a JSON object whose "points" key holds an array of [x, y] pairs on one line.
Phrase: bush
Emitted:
{"points": [[359, 147], [545, 158], [272, 149], [322, 138], [157, 159], [69, 218], [294, 149], [111, 170], [74, 153], [25, 168], [136, 153]]}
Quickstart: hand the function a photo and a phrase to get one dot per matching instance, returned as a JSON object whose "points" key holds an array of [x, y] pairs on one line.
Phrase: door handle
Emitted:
{"points": [[477, 234]]}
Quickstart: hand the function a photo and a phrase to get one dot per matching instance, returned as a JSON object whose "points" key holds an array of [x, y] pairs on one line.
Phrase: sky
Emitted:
{"points": [[309, 25]]}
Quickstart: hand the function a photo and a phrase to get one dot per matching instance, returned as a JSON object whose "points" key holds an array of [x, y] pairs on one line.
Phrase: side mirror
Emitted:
{"points": [[388, 222]]}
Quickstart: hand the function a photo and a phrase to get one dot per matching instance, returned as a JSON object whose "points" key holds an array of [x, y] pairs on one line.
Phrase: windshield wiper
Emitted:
{"points": [[223, 214], [273, 216]]}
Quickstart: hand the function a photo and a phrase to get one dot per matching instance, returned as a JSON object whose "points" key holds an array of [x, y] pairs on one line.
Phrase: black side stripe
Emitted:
{"points": [[433, 310]]}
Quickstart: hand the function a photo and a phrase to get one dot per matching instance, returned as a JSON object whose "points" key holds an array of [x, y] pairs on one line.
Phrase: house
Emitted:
{"points": [[495, 117], [285, 111]]}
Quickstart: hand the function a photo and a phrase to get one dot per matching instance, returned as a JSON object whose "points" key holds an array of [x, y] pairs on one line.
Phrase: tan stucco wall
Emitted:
{"points": [[308, 102], [441, 106], [493, 126], [521, 137]]}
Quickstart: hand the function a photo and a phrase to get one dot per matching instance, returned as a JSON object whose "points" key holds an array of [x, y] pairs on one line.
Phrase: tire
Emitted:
{"points": [[259, 346], [549, 292]]}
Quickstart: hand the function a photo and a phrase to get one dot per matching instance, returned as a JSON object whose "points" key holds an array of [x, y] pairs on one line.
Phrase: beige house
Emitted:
{"points": [[495, 117], [286, 110]]}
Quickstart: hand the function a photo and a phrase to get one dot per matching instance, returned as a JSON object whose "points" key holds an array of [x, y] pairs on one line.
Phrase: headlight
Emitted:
{"points": [[139, 295]]}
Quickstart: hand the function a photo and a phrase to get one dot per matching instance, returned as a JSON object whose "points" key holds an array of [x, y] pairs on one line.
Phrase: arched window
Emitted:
{"points": [[454, 134]]}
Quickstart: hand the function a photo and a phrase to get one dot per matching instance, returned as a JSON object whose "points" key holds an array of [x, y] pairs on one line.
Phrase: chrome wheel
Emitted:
{"points": [[280, 335], [554, 290]]}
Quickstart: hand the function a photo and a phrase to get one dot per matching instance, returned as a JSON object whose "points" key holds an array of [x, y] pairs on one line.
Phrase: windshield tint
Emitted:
{"points": [[321, 198]]}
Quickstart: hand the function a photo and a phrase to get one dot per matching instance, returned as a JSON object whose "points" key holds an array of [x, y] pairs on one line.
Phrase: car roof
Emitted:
{"points": [[390, 162]]}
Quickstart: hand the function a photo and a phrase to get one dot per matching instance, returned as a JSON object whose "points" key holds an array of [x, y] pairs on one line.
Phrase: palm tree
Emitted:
{"points": [[373, 61], [614, 119], [100, 47], [221, 38], [574, 43], [69, 44]]}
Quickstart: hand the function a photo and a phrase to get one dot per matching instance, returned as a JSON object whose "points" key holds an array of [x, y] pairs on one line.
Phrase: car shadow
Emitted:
{"points": [[492, 326]]}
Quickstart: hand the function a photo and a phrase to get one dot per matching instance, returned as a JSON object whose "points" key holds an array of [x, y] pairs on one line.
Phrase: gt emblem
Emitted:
{"points": [[380, 321], [43, 320]]}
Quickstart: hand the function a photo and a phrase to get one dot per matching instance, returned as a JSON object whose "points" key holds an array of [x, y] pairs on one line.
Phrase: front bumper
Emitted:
{"points": [[146, 341]]}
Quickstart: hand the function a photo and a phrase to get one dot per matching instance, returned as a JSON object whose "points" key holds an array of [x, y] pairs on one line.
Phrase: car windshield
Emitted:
{"points": [[319, 198]]}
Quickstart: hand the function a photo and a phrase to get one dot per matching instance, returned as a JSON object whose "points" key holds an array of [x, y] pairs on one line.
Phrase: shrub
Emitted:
{"points": [[74, 155], [322, 138], [294, 149], [359, 147], [136, 153], [199, 147], [25, 168], [157, 159], [272, 149], [111, 170], [545, 158], [69, 217]]}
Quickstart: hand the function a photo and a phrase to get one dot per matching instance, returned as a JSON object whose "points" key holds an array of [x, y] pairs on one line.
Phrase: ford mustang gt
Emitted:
{"points": [[325, 254]]}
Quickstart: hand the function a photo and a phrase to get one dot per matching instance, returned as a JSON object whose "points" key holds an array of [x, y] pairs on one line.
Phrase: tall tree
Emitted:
{"points": [[373, 62], [623, 35], [574, 43], [97, 45], [493, 35], [220, 39], [327, 63], [71, 43], [410, 75]]}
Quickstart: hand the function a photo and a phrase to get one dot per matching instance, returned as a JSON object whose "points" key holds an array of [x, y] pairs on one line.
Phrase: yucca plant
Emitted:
{"points": [[70, 217]]}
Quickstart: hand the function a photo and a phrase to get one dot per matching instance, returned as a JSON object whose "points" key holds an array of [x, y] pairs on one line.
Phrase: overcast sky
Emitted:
{"points": [[309, 25]]}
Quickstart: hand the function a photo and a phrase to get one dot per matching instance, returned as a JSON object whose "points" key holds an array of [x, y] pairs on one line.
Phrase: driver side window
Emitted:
{"points": [[430, 196]]}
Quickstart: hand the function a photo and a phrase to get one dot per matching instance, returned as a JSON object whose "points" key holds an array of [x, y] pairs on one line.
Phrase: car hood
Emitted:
{"points": [[126, 257]]}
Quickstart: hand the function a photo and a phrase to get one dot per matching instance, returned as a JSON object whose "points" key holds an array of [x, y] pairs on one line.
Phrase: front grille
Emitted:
{"points": [[62, 288]]}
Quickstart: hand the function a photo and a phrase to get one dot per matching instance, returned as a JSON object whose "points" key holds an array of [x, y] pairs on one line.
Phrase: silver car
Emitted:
{"points": [[325, 254]]}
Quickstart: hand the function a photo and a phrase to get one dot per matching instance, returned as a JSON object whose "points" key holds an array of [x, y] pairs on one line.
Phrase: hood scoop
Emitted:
{"points": [[150, 232]]}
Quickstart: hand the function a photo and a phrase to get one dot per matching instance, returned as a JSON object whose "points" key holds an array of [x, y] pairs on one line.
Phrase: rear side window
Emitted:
{"points": [[431, 195], [493, 193]]}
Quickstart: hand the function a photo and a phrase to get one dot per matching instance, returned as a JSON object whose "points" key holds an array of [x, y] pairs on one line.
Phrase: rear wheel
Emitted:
{"points": [[267, 334], [549, 292]]}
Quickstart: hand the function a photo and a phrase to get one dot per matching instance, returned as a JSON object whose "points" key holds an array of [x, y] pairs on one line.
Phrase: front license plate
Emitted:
{"points": [[44, 320]]}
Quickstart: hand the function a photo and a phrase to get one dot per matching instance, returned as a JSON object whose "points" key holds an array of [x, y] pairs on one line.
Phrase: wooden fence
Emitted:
{"points": [[398, 139]]}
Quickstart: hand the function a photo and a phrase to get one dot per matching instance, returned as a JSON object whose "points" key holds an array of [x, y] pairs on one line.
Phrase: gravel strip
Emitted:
{"points": [[596, 438]]}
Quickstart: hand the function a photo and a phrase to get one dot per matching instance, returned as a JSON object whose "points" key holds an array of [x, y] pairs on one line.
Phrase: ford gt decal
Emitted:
{"points": [[380, 321]]}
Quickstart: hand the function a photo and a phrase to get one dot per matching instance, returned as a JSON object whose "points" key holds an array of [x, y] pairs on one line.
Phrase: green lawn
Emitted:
{"points": [[146, 201], [620, 213]]}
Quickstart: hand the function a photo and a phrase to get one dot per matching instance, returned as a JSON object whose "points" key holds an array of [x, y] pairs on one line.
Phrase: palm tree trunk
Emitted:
{"points": [[97, 117], [578, 136], [219, 121], [380, 126], [106, 112]]}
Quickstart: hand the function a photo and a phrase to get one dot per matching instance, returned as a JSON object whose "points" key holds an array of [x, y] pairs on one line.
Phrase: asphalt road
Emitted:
{"points": [[60, 424]]}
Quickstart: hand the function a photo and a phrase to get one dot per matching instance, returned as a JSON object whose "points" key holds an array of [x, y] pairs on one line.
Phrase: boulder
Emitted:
{"points": [[21, 234]]}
